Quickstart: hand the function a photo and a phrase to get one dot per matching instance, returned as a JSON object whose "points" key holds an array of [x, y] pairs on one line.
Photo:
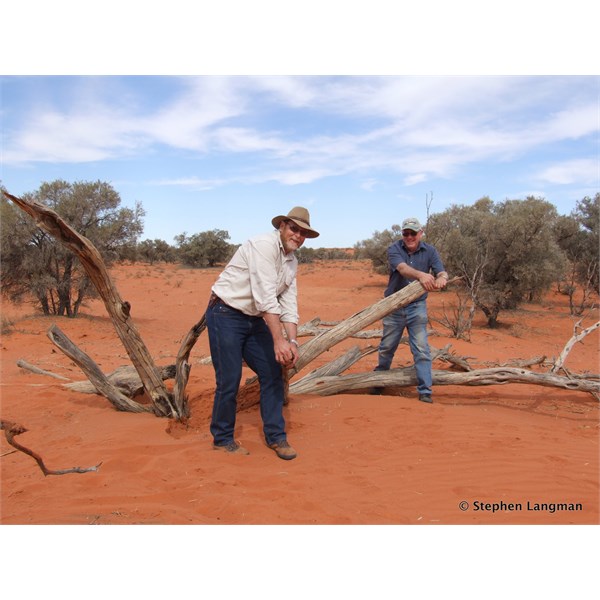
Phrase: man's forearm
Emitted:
{"points": [[286, 350], [410, 273], [274, 325], [427, 280], [291, 330]]}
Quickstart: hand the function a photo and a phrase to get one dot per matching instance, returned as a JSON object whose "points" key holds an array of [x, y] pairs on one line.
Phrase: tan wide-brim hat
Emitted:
{"points": [[301, 217]]}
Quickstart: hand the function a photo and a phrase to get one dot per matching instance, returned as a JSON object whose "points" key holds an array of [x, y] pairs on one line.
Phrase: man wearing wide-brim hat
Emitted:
{"points": [[253, 302]]}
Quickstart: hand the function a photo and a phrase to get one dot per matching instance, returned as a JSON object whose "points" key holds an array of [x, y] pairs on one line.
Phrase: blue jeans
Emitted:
{"points": [[414, 318], [234, 336]]}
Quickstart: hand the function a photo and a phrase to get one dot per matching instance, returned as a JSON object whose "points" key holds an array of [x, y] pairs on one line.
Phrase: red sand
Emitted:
{"points": [[363, 459]]}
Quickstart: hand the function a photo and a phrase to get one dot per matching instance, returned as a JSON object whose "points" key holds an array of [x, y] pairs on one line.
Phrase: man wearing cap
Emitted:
{"points": [[411, 259], [252, 303]]}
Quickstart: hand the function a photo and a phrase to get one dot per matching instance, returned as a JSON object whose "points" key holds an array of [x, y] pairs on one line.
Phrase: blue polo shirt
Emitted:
{"points": [[425, 258]]}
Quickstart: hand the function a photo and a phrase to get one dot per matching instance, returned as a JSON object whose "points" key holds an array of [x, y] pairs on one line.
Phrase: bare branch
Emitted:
{"points": [[577, 337], [12, 429], [29, 367], [183, 368], [94, 374]]}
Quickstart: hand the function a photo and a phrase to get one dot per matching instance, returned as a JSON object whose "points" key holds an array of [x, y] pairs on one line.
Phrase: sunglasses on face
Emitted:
{"points": [[295, 229], [409, 233]]}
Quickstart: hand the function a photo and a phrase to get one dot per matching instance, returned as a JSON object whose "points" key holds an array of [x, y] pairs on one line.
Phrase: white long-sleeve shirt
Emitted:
{"points": [[261, 278]]}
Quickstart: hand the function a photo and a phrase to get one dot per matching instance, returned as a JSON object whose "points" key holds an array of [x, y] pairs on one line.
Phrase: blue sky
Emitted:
{"points": [[362, 153]]}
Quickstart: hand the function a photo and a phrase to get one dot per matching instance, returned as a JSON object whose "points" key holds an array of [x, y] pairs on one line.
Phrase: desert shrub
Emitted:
{"points": [[578, 237], [506, 252], [34, 263], [375, 248], [156, 250], [6, 325], [458, 319], [206, 249], [309, 255]]}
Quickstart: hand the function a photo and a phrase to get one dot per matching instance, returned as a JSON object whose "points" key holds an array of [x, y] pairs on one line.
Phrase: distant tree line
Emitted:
{"points": [[506, 253]]}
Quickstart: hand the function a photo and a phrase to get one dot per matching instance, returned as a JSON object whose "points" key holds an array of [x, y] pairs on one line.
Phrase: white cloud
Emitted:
{"points": [[53, 137], [292, 91], [418, 127], [185, 122], [582, 171], [190, 182], [237, 139], [296, 177], [414, 179], [368, 185]]}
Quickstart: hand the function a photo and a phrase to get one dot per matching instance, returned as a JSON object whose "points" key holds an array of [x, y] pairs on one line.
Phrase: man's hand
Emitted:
{"points": [[286, 353], [428, 281], [441, 282]]}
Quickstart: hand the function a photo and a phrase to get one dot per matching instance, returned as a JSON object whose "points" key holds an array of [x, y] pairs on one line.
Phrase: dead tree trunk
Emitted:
{"points": [[326, 386], [183, 367], [119, 310], [324, 341]]}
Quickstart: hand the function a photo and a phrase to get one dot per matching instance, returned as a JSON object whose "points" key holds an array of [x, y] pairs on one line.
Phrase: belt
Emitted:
{"points": [[214, 299]]}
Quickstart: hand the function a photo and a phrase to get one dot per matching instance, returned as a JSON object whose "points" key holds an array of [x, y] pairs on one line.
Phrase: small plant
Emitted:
{"points": [[7, 325], [460, 322]]}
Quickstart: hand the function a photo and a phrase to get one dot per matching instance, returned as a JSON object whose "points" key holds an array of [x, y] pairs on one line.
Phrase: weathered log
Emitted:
{"points": [[309, 328], [344, 362], [326, 386], [341, 363], [126, 379], [29, 367], [335, 367], [248, 395], [445, 355], [524, 362], [316, 346], [183, 368], [313, 328], [94, 374], [118, 309]]}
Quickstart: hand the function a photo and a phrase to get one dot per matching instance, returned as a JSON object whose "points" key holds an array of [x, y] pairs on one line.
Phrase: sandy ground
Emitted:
{"points": [[511, 454]]}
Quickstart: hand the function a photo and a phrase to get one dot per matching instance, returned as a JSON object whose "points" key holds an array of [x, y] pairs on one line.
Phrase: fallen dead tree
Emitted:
{"points": [[163, 403], [328, 385], [249, 394], [357, 322], [146, 377]]}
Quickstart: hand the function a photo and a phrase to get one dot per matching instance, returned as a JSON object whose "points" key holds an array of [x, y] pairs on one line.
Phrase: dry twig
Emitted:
{"points": [[13, 429]]}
